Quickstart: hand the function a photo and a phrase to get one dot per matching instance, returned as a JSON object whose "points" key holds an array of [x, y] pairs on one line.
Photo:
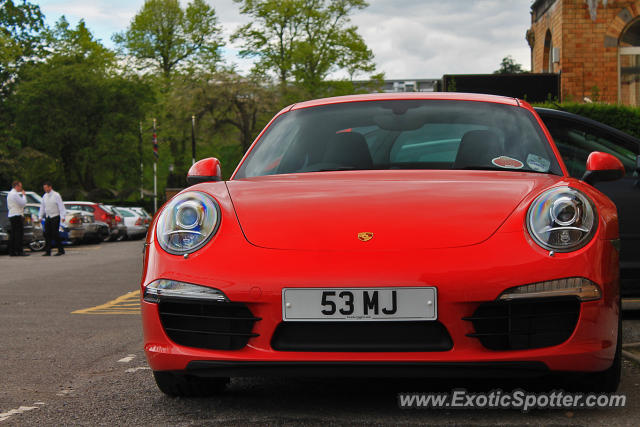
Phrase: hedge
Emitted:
{"points": [[624, 118]]}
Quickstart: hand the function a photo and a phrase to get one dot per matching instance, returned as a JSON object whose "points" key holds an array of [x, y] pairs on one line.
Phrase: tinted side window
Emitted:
{"points": [[575, 142]]}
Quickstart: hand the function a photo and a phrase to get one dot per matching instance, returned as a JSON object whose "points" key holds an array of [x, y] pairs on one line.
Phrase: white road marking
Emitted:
{"points": [[6, 415], [127, 359], [139, 368]]}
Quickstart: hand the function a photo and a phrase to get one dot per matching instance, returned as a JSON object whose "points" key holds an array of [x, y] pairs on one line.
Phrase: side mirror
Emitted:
{"points": [[602, 167], [205, 170]]}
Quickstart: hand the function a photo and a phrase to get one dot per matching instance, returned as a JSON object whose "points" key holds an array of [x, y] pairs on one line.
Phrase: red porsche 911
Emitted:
{"points": [[387, 235]]}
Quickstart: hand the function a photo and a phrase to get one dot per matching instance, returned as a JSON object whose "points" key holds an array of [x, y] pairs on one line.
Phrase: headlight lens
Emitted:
{"points": [[562, 219], [187, 222]]}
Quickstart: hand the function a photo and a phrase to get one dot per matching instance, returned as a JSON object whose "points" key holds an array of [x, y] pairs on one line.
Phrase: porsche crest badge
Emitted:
{"points": [[365, 236]]}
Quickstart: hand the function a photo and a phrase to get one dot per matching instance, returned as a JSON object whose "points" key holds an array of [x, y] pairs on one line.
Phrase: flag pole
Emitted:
{"points": [[155, 168], [193, 139], [141, 164]]}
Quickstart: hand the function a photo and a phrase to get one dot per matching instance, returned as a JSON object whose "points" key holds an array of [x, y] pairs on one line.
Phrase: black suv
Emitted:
{"points": [[576, 137], [5, 226]]}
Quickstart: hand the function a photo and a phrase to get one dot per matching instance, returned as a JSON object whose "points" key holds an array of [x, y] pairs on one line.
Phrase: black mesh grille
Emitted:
{"points": [[361, 336], [207, 324], [525, 324]]}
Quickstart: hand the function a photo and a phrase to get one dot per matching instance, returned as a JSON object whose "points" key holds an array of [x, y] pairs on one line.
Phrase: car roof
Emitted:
{"points": [[451, 96], [82, 203], [550, 112]]}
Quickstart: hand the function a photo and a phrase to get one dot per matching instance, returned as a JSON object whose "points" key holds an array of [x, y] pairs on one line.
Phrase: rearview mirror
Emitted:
{"points": [[205, 170], [603, 167]]}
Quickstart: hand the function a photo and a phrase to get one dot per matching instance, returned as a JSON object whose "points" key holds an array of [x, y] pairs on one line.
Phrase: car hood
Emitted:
{"points": [[402, 209]]}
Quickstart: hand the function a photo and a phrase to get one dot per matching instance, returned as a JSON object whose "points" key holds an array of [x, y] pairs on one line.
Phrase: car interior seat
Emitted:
{"points": [[350, 150], [477, 149]]}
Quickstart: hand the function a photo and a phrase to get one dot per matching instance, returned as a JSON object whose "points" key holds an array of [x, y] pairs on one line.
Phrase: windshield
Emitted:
{"points": [[405, 134]]}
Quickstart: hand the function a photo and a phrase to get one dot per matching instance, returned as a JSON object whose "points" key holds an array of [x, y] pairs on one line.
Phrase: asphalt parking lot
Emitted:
{"points": [[72, 354]]}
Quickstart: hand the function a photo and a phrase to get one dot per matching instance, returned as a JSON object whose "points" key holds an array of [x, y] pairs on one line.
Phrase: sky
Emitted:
{"points": [[410, 39]]}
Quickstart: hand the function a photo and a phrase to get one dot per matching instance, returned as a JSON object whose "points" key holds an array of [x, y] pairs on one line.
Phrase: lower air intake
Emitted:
{"points": [[361, 336], [207, 324], [525, 324]]}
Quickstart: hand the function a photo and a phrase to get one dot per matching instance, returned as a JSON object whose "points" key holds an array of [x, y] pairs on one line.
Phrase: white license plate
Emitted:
{"points": [[352, 304]]}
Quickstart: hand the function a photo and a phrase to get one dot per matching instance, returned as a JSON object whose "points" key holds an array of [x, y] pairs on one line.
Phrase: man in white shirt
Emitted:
{"points": [[53, 211], [16, 199]]}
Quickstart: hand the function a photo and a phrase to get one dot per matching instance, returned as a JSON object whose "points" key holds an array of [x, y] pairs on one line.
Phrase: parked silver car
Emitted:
{"points": [[83, 227], [143, 213], [38, 242], [136, 228], [121, 228]]}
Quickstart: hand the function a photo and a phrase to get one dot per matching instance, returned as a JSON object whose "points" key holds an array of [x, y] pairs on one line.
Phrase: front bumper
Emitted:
{"points": [[76, 233], [465, 278], [134, 231], [213, 368]]}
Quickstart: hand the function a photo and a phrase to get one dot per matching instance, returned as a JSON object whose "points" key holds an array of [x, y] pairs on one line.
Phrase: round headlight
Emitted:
{"points": [[187, 223], [562, 219]]}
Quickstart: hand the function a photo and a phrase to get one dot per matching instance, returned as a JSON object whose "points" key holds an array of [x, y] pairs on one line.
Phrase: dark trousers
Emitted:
{"points": [[52, 233], [16, 235]]}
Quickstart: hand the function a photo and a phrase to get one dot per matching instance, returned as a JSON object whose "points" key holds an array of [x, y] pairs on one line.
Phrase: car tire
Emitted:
{"points": [[182, 385], [37, 245]]}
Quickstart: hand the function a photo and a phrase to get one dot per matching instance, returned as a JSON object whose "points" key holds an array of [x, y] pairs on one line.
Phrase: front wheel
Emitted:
{"points": [[37, 245], [182, 385]]}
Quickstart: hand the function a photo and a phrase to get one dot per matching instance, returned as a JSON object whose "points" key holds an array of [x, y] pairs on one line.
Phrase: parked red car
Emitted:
{"points": [[415, 234], [100, 214]]}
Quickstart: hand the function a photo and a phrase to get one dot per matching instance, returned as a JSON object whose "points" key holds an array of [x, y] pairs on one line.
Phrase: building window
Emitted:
{"points": [[547, 57], [629, 65]]}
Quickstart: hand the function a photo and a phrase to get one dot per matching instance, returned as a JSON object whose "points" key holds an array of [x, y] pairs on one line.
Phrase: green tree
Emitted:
{"points": [[304, 39], [228, 102], [74, 106], [272, 35], [165, 37], [509, 66], [20, 25]]}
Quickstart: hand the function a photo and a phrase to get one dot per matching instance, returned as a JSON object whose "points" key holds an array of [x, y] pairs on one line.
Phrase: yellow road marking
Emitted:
{"points": [[128, 303]]}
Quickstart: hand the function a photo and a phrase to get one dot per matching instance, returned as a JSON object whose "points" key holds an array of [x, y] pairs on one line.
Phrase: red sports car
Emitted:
{"points": [[420, 234]]}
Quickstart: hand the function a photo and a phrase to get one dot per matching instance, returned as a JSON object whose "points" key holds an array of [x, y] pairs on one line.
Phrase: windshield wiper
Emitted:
{"points": [[335, 169]]}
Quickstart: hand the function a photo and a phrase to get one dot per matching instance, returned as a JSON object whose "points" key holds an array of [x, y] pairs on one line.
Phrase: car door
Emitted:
{"points": [[576, 139]]}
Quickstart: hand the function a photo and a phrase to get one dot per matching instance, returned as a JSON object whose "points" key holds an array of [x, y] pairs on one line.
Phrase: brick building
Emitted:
{"points": [[594, 45]]}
